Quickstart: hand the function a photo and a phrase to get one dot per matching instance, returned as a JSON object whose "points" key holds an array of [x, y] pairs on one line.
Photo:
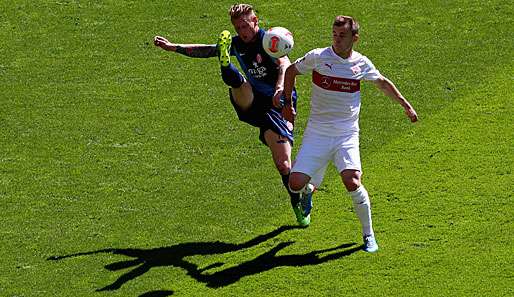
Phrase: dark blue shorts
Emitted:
{"points": [[265, 116]]}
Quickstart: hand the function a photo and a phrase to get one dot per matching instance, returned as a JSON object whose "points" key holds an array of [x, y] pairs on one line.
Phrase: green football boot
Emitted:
{"points": [[224, 42], [302, 220]]}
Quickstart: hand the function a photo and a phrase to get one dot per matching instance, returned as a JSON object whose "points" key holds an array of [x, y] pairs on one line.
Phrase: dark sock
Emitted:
{"points": [[295, 197], [231, 76]]}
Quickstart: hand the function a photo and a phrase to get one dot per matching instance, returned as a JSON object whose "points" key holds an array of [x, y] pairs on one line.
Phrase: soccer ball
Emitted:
{"points": [[277, 42]]}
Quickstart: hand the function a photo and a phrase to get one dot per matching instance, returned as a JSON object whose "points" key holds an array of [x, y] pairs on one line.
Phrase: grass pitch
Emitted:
{"points": [[123, 168]]}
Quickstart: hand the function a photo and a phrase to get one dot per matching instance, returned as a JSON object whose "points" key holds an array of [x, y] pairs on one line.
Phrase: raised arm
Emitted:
{"points": [[390, 90], [289, 81], [190, 50], [282, 63]]}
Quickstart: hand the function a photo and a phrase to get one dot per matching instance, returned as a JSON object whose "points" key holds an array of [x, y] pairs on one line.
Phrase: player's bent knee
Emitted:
{"points": [[283, 167], [297, 181], [351, 183], [351, 180], [295, 186]]}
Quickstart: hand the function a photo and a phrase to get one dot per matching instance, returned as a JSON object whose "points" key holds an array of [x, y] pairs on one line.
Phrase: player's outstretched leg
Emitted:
{"points": [[224, 42], [229, 72]]}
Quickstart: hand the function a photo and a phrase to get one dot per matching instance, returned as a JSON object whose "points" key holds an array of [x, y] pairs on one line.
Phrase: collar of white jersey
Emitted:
{"points": [[341, 58]]}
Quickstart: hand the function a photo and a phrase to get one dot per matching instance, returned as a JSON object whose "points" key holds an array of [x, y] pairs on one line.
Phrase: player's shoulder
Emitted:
{"points": [[363, 63], [315, 54], [358, 57], [321, 51]]}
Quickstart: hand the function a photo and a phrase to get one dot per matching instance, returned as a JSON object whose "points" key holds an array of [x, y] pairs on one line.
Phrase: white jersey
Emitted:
{"points": [[335, 99]]}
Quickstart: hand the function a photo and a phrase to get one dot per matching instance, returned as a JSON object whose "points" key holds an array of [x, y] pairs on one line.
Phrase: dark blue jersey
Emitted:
{"points": [[259, 67]]}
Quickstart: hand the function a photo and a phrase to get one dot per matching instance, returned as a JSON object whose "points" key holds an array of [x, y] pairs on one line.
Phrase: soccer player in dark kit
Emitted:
{"points": [[252, 95]]}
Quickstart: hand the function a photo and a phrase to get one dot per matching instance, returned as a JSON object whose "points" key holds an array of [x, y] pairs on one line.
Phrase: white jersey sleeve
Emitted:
{"points": [[308, 62], [369, 71]]}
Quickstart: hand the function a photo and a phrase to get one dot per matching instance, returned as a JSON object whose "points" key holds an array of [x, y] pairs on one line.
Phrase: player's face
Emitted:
{"points": [[342, 39], [246, 27]]}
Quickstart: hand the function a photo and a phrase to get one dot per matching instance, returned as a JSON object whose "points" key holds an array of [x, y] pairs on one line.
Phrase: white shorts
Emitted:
{"points": [[317, 151]]}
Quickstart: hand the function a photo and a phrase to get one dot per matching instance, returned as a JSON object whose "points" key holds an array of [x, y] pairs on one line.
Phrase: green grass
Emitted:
{"points": [[110, 143]]}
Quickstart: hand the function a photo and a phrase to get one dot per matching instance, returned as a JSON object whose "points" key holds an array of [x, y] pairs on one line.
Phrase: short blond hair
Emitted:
{"points": [[238, 10]]}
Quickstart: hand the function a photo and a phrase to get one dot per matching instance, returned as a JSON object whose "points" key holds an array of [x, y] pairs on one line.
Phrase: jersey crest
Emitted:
{"points": [[356, 70]]}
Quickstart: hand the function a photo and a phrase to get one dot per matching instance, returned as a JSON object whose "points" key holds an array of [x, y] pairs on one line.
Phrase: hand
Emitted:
{"points": [[289, 113], [277, 102], [163, 43], [411, 113]]}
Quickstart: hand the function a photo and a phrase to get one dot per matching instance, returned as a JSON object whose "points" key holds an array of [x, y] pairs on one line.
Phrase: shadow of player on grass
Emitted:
{"points": [[270, 260], [145, 259]]}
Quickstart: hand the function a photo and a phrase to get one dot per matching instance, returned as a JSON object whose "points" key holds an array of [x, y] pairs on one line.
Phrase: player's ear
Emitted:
{"points": [[355, 38]]}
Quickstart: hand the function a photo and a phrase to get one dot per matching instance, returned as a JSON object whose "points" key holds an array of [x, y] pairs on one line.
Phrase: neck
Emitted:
{"points": [[345, 54]]}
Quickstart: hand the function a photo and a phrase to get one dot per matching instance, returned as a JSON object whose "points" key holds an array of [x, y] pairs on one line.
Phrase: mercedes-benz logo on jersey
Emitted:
{"points": [[326, 82]]}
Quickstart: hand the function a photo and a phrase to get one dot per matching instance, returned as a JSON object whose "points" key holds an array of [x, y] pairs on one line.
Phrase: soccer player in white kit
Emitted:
{"points": [[332, 132]]}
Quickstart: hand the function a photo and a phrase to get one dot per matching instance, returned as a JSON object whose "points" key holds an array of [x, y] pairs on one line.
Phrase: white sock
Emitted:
{"points": [[362, 207]]}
